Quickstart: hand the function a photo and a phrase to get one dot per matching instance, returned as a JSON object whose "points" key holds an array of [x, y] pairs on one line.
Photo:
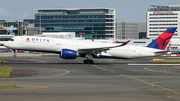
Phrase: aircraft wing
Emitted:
{"points": [[100, 49]]}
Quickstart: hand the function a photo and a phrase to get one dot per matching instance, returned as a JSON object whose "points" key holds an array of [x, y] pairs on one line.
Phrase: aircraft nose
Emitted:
{"points": [[6, 44]]}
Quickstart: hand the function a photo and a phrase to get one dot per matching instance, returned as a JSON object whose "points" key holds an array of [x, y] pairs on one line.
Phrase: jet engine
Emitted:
{"points": [[68, 54]]}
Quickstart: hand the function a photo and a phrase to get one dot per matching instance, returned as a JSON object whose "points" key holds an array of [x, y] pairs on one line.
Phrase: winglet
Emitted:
{"points": [[162, 41], [115, 42], [125, 43]]}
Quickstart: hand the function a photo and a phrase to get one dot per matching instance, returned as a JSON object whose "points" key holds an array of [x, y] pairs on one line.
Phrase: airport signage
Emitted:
{"points": [[163, 12]]}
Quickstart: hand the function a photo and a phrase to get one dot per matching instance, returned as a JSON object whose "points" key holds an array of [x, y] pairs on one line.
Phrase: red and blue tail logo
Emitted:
{"points": [[162, 41], [115, 42]]}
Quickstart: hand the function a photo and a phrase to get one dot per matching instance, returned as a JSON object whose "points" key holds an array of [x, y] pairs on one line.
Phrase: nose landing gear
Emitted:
{"points": [[14, 56]]}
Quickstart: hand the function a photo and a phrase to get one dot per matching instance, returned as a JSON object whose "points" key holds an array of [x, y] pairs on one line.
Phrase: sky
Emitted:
{"points": [[126, 10]]}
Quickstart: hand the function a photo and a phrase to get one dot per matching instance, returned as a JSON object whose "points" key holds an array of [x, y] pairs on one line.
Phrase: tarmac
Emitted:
{"points": [[106, 79]]}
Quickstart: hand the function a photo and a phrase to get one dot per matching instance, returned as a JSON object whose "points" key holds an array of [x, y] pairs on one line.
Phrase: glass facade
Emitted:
{"points": [[93, 25]]}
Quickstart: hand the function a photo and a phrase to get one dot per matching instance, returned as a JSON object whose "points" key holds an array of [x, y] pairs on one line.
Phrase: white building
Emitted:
{"points": [[159, 18]]}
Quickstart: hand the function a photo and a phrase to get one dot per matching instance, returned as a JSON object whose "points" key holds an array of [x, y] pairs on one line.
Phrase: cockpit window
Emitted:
{"points": [[11, 40]]}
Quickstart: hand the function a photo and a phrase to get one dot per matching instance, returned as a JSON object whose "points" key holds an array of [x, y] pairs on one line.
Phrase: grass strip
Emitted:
{"points": [[166, 60], [9, 87], [3, 61], [5, 71]]}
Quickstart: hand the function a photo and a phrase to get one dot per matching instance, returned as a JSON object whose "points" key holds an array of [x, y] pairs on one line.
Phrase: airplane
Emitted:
{"points": [[71, 49], [66, 48]]}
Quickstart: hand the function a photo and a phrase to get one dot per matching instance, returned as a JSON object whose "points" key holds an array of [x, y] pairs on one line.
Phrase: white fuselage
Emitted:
{"points": [[130, 51], [56, 45]]}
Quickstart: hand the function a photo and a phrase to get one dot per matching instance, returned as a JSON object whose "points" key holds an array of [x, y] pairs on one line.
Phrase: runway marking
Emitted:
{"points": [[102, 89], [104, 69], [167, 81], [78, 61], [55, 70], [152, 84], [42, 61], [66, 72], [146, 68], [175, 92], [154, 64]]}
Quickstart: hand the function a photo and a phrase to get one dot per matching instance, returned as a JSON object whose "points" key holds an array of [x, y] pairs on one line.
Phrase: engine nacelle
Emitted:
{"points": [[68, 54]]}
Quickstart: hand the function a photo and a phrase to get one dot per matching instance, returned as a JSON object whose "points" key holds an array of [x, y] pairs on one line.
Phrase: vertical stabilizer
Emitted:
{"points": [[162, 41]]}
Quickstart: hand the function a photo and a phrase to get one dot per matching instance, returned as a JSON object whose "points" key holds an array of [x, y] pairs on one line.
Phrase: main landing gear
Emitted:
{"points": [[14, 56], [88, 61]]}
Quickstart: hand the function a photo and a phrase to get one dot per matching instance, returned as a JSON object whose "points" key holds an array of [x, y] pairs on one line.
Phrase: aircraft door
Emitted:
{"points": [[52, 44], [21, 41]]}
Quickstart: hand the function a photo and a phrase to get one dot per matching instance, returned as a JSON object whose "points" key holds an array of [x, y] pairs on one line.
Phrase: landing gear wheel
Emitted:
{"points": [[88, 61], [14, 56], [91, 62]]}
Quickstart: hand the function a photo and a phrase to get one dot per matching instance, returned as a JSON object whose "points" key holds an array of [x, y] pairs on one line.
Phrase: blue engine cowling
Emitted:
{"points": [[68, 54]]}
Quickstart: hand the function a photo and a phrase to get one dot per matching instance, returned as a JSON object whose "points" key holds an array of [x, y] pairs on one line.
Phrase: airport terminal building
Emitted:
{"points": [[130, 30], [96, 23], [159, 18]]}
